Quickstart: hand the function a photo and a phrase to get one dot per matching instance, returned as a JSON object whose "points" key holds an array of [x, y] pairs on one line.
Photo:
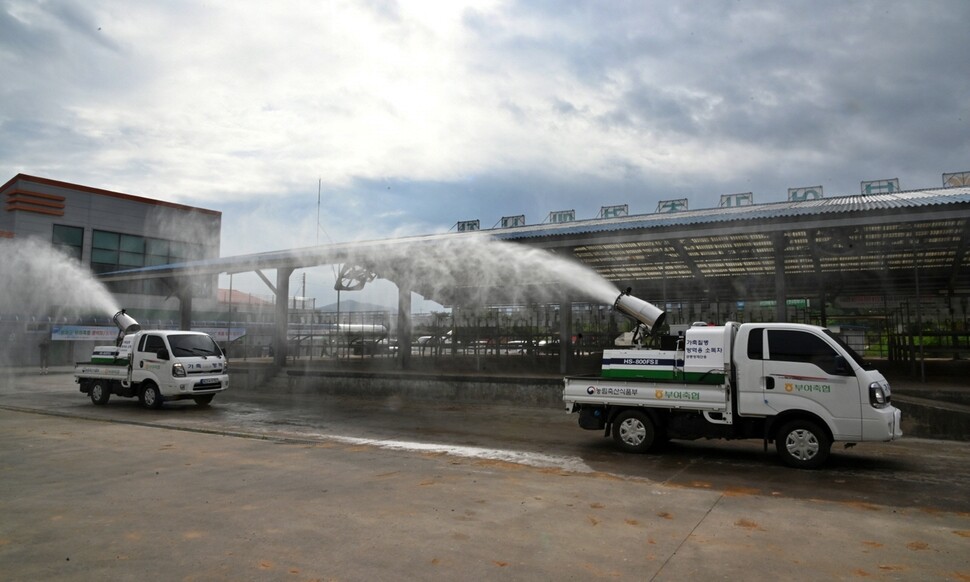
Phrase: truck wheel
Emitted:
{"points": [[633, 431], [150, 396], [204, 400], [803, 444], [99, 392]]}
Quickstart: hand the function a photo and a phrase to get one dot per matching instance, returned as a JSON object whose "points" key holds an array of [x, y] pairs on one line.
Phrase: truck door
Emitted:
{"points": [[146, 361], [749, 354], [804, 371]]}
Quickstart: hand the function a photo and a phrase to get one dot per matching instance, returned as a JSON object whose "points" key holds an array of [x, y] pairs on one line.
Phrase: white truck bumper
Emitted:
{"points": [[197, 385]]}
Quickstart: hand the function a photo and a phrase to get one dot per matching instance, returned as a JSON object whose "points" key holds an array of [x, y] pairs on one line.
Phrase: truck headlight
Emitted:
{"points": [[178, 371], [878, 395]]}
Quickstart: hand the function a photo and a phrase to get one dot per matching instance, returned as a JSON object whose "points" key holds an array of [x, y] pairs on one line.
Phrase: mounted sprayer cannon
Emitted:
{"points": [[126, 325], [649, 317]]}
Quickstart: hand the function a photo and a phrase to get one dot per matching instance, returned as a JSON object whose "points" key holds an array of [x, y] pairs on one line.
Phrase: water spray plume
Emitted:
{"points": [[485, 268], [39, 281]]}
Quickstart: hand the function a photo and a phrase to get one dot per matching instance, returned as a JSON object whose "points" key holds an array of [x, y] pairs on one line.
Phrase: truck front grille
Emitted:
{"points": [[203, 372]]}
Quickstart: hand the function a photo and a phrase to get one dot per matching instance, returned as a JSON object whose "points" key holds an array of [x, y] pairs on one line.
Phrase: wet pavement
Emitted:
{"points": [[339, 488]]}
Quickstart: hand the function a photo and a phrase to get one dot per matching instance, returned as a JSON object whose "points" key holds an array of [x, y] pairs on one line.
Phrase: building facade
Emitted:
{"points": [[104, 231]]}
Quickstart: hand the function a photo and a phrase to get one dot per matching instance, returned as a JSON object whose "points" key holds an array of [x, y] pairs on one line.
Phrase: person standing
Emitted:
{"points": [[44, 346]]}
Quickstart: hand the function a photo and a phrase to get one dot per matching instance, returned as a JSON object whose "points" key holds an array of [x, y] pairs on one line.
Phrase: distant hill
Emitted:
{"points": [[351, 306]]}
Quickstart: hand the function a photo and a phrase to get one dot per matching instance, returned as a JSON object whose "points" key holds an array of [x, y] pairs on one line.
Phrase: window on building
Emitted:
{"points": [[69, 240], [131, 251], [105, 257], [112, 251], [104, 251], [156, 252]]}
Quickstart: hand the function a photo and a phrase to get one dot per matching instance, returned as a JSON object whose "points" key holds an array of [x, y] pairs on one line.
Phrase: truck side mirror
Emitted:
{"points": [[162, 354]]}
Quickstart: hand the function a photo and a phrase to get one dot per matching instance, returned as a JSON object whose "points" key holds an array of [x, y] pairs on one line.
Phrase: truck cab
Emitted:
{"points": [[182, 364], [784, 367]]}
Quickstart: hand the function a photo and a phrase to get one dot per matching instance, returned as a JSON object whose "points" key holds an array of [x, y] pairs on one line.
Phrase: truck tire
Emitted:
{"points": [[150, 397], [634, 431], [803, 444], [99, 392], [203, 400]]}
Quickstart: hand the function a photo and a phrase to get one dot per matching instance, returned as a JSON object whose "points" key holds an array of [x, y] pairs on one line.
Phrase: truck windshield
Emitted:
{"points": [[193, 345], [852, 353]]}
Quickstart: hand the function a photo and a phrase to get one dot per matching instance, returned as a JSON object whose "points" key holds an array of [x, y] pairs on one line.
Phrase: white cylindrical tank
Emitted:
{"points": [[646, 313], [126, 323]]}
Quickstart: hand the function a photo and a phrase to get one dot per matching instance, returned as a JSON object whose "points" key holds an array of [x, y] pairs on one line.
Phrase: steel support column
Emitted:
{"points": [[185, 307], [819, 276], [404, 325], [280, 343], [565, 335], [781, 290], [181, 289]]}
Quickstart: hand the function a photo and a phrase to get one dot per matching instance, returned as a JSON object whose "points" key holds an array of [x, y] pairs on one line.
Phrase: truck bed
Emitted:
{"points": [[117, 371], [621, 392]]}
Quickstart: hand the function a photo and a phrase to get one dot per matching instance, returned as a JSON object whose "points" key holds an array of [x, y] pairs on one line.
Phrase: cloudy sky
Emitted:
{"points": [[410, 116]]}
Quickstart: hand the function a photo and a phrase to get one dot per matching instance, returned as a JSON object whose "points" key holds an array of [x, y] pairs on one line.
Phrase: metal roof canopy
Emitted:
{"points": [[844, 246]]}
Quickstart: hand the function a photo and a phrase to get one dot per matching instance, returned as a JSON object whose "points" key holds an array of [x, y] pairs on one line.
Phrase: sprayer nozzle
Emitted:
{"points": [[646, 313], [125, 322]]}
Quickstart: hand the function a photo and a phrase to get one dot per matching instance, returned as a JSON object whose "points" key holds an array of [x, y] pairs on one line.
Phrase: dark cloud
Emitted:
{"points": [[765, 95], [862, 87], [797, 56], [656, 109], [439, 205]]}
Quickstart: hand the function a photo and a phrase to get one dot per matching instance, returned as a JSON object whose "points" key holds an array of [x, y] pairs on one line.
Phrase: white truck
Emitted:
{"points": [[156, 366], [797, 385]]}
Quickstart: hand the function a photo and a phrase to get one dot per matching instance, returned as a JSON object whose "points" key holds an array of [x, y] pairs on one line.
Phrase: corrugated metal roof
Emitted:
{"points": [[843, 204], [711, 256]]}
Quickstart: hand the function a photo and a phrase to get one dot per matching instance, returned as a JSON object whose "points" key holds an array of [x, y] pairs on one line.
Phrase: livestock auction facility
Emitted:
{"points": [[886, 268]]}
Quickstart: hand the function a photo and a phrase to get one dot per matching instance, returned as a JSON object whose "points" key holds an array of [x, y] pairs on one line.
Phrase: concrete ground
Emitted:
{"points": [[256, 488]]}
